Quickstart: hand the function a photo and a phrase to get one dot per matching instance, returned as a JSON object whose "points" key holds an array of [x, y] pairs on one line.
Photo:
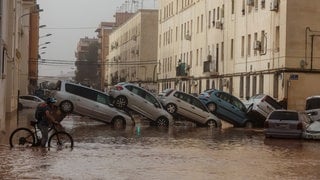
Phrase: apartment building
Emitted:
{"points": [[133, 49], [243, 47], [18, 33]]}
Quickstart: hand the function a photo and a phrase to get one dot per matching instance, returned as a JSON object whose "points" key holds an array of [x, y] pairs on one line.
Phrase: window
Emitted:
{"points": [[255, 39], [231, 49], [254, 85], [209, 23], [222, 51], [241, 87], [275, 85], [232, 6], [261, 81], [277, 39], [242, 46], [249, 45], [247, 87]]}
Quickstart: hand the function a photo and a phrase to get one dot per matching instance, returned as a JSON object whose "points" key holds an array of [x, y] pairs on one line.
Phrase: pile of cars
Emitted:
{"points": [[124, 100]]}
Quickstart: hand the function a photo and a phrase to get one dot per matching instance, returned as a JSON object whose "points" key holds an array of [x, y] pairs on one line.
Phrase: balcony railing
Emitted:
{"points": [[209, 68], [181, 70]]}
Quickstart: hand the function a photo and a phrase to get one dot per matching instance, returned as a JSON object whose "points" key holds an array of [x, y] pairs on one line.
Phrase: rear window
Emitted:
{"points": [[283, 115], [273, 102], [313, 103]]}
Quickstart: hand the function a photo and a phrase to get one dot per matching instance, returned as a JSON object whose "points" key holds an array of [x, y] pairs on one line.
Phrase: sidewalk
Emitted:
{"points": [[22, 120]]}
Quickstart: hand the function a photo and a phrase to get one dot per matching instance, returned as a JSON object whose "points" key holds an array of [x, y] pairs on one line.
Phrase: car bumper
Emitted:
{"points": [[283, 134]]}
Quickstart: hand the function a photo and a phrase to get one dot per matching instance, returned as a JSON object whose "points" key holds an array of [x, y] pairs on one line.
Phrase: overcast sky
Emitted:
{"points": [[70, 20]]}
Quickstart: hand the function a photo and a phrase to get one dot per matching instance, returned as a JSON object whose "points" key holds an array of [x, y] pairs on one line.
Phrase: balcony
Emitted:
{"points": [[209, 68], [181, 70]]}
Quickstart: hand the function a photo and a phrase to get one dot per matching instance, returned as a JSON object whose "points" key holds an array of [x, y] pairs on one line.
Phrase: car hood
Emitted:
{"points": [[314, 127]]}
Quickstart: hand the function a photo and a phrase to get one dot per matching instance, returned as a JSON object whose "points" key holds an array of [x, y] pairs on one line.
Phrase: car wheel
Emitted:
{"points": [[66, 106], [162, 122], [212, 107], [171, 108], [121, 102], [248, 124], [118, 123], [211, 123]]}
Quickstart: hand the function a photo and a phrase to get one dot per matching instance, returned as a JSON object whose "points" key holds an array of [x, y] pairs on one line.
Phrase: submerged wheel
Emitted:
{"points": [[120, 102], [22, 137], [118, 123], [248, 124], [211, 123], [162, 122], [212, 107], [60, 140], [171, 108], [66, 106]]}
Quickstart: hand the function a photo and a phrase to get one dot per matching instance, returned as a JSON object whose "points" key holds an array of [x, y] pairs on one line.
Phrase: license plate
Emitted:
{"points": [[282, 126]]}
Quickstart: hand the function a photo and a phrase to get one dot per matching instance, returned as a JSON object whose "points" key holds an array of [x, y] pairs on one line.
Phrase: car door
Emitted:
{"points": [[182, 102], [199, 111], [238, 110], [138, 102], [102, 109], [223, 105], [81, 98]]}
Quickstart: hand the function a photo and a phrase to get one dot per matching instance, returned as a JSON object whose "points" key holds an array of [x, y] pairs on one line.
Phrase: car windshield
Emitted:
{"points": [[283, 115], [313, 103]]}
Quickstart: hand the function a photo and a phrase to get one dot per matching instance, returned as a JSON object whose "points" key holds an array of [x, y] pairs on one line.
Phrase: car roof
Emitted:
{"points": [[311, 97]]}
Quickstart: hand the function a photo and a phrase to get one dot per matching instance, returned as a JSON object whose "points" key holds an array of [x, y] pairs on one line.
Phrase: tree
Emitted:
{"points": [[88, 67]]}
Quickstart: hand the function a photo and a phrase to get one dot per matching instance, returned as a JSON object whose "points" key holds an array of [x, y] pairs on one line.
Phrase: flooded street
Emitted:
{"points": [[181, 152]]}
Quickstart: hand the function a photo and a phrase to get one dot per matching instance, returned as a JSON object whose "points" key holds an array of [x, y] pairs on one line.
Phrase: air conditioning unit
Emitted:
{"points": [[257, 45], [250, 2], [187, 37], [219, 25], [274, 5]]}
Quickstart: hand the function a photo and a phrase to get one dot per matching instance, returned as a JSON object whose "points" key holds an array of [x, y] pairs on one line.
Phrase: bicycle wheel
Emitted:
{"points": [[22, 137], [60, 140]]}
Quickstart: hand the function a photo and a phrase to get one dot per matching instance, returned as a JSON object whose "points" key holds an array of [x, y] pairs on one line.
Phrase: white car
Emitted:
{"points": [[29, 101], [141, 101], [261, 105], [188, 106], [312, 131], [313, 107], [83, 100]]}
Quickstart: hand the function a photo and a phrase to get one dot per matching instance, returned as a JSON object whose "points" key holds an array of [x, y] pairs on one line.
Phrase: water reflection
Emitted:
{"points": [[182, 152]]}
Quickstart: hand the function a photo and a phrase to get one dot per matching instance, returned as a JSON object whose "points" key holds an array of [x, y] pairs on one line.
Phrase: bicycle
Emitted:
{"points": [[25, 137]]}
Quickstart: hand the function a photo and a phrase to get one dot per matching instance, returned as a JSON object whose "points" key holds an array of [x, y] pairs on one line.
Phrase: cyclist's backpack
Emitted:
{"points": [[40, 111]]}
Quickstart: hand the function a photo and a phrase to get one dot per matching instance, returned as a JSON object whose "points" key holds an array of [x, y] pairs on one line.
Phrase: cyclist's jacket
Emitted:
{"points": [[40, 114]]}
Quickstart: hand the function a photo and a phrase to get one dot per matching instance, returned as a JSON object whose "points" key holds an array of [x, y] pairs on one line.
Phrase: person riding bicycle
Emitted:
{"points": [[45, 118]]}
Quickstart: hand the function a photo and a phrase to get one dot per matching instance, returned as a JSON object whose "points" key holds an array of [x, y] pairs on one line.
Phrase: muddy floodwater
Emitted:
{"points": [[180, 152]]}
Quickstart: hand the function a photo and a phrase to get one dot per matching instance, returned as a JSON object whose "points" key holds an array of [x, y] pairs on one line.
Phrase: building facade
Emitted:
{"points": [[15, 49], [133, 49], [242, 47]]}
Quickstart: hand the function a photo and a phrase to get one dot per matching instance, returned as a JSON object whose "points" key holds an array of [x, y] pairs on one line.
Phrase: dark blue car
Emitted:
{"points": [[227, 107]]}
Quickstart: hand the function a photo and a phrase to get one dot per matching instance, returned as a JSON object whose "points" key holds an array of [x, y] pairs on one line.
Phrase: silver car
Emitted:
{"points": [[141, 101], [286, 124], [79, 99], [29, 101], [190, 107]]}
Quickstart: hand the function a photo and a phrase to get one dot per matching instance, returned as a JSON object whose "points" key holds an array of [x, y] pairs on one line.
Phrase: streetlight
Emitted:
{"points": [[46, 35], [44, 43]]}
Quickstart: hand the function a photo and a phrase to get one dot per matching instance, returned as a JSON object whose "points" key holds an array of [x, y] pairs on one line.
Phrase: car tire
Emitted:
{"points": [[118, 123], [211, 123], [162, 122], [248, 124], [66, 106], [212, 107], [120, 102], [171, 108]]}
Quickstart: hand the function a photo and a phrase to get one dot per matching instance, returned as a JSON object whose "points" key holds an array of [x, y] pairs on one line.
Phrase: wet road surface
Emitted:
{"points": [[180, 152]]}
